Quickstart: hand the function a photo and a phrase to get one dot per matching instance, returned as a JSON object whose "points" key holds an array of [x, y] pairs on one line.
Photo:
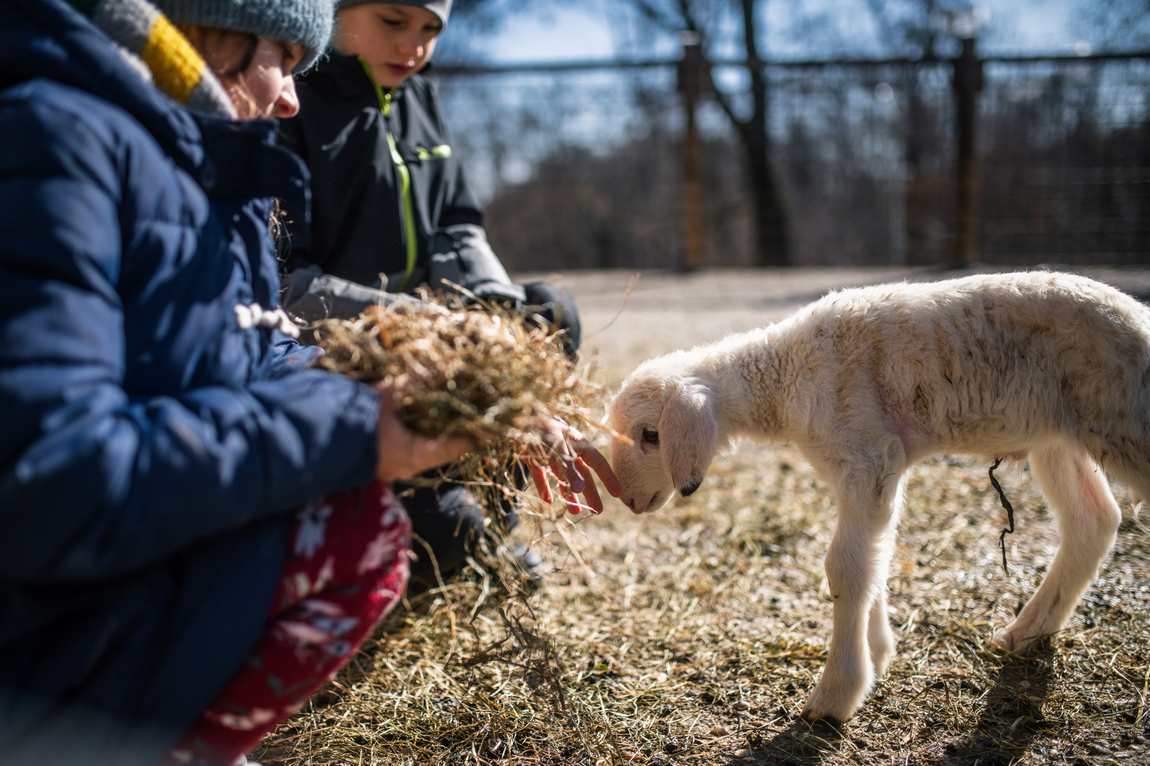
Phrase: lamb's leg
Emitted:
{"points": [[856, 565], [1088, 519], [880, 637]]}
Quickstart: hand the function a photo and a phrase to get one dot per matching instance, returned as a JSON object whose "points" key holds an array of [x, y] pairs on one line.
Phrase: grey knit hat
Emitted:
{"points": [[441, 8], [307, 22]]}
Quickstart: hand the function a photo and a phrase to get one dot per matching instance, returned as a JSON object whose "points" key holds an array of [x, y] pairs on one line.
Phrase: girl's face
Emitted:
{"points": [[395, 41], [256, 72], [268, 79]]}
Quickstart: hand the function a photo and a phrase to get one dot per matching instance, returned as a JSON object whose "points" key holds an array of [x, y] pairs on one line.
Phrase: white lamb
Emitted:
{"points": [[865, 382]]}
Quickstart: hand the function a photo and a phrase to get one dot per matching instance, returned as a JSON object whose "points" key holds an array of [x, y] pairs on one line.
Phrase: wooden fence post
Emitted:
{"points": [[691, 74], [967, 85]]}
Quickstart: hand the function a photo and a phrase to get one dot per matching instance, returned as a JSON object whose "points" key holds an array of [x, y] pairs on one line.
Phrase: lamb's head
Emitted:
{"points": [[666, 434]]}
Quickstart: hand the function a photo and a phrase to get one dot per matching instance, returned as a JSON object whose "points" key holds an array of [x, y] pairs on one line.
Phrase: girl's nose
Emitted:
{"points": [[287, 105]]}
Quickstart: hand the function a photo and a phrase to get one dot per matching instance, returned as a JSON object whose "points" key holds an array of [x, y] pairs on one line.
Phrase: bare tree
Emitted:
{"points": [[703, 18]]}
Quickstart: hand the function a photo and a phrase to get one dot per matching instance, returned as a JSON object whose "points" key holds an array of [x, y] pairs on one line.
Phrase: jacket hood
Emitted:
{"points": [[50, 39]]}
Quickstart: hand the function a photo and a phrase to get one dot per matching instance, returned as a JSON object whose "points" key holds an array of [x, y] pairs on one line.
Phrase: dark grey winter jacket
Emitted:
{"points": [[391, 207]]}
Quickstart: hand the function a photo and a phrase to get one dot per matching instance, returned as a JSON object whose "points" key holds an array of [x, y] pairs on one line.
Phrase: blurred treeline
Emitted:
{"points": [[818, 137]]}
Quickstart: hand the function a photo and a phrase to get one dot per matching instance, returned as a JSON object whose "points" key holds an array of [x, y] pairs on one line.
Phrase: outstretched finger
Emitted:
{"points": [[570, 498], [565, 470], [542, 486], [590, 490], [600, 465]]}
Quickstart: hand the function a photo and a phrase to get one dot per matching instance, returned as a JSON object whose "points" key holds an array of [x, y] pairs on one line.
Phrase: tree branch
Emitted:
{"points": [[724, 102], [655, 14]]}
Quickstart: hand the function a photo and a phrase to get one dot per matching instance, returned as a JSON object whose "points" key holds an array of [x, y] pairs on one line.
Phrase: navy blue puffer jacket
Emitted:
{"points": [[151, 448]]}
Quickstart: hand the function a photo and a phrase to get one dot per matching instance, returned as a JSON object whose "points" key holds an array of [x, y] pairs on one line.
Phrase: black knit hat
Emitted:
{"points": [[441, 8]]}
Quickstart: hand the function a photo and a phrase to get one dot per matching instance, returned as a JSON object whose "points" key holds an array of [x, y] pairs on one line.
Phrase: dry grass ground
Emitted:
{"points": [[692, 636]]}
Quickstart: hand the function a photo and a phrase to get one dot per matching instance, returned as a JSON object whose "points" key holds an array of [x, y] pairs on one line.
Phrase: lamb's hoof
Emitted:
{"points": [[1014, 641], [812, 716], [831, 708], [1003, 642]]}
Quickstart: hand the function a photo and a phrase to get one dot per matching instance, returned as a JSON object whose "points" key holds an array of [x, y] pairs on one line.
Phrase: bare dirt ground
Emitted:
{"points": [[692, 636]]}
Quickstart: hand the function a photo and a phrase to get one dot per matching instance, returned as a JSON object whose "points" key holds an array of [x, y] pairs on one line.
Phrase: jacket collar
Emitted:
{"points": [[344, 76], [242, 162]]}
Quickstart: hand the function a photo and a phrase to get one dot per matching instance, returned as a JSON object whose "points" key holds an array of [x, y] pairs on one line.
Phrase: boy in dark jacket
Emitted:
{"points": [[393, 212]]}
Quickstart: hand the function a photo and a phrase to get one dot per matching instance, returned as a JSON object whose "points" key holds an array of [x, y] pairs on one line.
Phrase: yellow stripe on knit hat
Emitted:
{"points": [[176, 66]]}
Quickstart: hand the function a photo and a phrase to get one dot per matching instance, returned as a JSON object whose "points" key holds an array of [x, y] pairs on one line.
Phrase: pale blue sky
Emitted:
{"points": [[1017, 25]]}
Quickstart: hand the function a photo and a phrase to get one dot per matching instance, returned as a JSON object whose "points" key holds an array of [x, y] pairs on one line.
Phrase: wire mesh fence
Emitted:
{"points": [[583, 167], [1066, 161]]}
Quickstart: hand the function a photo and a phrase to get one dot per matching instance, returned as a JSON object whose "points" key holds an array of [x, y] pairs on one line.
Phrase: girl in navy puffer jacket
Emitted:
{"points": [[162, 595], [199, 529]]}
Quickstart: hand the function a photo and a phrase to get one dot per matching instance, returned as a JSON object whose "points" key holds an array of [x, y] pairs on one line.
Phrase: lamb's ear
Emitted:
{"points": [[688, 434]]}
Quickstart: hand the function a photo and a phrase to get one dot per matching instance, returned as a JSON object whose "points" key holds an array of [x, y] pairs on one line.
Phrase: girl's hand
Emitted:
{"points": [[403, 454], [574, 462]]}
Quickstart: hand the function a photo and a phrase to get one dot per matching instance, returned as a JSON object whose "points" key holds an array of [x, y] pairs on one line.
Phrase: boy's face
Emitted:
{"points": [[396, 41]]}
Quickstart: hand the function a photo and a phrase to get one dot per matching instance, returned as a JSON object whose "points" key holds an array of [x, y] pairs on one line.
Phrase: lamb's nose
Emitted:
{"points": [[630, 503]]}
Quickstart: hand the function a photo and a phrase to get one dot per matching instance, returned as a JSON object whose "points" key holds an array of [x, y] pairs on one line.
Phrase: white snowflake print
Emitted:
{"points": [[301, 634], [301, 587], [254, 719], [312, 525], [379, 552], [318, 623], [386, 496], [392, 515]]}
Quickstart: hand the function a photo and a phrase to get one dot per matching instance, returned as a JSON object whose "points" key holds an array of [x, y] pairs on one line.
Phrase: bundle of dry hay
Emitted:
{"points": [[465, 369]]}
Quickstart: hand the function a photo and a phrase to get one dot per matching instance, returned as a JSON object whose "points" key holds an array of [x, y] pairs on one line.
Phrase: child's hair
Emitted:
{"points": [[228, 55]]}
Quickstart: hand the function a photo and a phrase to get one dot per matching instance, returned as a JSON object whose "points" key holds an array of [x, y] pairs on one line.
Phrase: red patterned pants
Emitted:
{"points": [[346, 569]]}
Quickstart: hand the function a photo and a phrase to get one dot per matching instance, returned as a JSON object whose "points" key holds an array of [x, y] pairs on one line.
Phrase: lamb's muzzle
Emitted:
{"points": [[866, 382]]}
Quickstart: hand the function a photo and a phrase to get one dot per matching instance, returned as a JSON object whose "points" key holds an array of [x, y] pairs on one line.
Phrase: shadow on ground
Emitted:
{"points": [[1012, 718], [1008, 725], [801, 744]]}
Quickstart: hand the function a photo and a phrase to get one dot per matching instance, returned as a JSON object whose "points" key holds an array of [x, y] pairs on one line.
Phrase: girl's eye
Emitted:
{"points": [[650, 437], [393, 23]]}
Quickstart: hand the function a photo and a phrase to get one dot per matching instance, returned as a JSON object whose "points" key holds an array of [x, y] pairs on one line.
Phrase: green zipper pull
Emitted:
{"points": [[440, 152]]}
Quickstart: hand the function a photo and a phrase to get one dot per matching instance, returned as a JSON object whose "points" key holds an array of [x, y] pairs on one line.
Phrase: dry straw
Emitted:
{"points": [[467, 369]]}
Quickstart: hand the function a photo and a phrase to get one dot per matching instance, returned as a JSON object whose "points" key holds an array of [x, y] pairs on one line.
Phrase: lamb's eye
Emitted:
{"points": [[650, 437]]}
